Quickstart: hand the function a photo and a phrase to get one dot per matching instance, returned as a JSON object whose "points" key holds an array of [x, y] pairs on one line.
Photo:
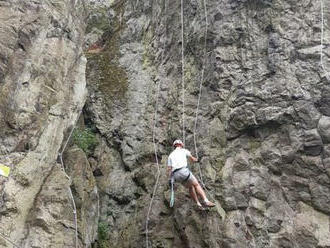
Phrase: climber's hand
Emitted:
{"points": [[193, 159]]}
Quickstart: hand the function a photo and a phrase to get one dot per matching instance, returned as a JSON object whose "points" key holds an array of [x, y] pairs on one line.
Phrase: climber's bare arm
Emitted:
{"points": [[193, 159]]}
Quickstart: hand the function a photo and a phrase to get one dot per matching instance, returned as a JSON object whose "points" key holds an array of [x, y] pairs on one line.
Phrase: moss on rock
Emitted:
{"points": [[112, 78]]}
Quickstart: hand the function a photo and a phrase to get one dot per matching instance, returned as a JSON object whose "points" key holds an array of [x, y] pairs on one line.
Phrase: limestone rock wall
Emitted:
{"points": [[261, 135]]}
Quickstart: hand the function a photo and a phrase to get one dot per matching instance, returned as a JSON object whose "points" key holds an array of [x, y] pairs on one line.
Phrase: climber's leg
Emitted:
{"points": [[193, 195], [200, 192]]}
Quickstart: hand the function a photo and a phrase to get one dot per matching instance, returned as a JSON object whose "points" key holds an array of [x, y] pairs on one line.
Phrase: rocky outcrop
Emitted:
{"points": [[42, 92], [261, 135], [262, 125]]}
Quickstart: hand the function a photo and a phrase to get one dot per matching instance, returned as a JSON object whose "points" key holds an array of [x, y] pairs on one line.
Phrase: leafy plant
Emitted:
{"points": [[103, 234], [85, 139]]}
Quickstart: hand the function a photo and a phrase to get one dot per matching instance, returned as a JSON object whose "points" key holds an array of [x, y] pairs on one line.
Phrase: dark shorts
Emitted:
{"points": [[183, 176]]}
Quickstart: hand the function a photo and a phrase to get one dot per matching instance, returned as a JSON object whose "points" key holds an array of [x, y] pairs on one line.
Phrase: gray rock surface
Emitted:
{"points": [[42, 92], [262, 131]]}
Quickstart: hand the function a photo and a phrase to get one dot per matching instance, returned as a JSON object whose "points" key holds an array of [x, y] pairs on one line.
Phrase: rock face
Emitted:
{"points": [[262, 130], [42, 92]]}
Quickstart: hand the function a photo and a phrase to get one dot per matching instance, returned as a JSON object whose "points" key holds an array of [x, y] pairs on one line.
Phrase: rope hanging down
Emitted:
{"points": [[200, 92], [196, 120], [8, 240], [199, 98], [183, 97], [157, 164], [183, 74], [69, 188], [198, 101], [322, 37], [154, 141]]}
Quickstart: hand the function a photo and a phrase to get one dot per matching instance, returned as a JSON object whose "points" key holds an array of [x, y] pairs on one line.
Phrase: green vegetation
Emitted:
{"points": [[110, 77], [103, 234], [85, 139]]}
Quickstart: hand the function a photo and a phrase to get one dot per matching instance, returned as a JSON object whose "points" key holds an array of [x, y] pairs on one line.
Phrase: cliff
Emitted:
{"points": [[42, 92], [245, 83], [261, 130]]}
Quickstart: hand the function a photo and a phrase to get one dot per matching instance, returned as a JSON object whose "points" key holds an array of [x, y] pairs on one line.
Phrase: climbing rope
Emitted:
{"points": [[200, 93], [322, 33], [157, 163], [198, 101], [322, 37], [182, 75], [8, 240], [155, 143], [196, 118], [69, 188]]}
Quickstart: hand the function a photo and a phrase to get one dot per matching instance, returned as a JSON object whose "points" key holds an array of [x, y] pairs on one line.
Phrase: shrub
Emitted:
{"points": [[103, 233], [85, 139]]}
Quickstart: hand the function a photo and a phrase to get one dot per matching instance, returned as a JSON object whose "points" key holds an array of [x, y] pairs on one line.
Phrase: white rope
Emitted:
{"points": [[157, 163], [69, 188], [8, 240], [155, 143], [196, 121], [183, 74], [322, 32], [322, 37], [198, 102], [200, 92]]}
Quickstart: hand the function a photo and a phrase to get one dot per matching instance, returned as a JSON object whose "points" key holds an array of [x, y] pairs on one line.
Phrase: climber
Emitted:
{"points": [[178, 171]]}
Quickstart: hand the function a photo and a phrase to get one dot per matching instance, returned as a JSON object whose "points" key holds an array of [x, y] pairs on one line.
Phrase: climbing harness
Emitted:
{"points": [[172, 180]]}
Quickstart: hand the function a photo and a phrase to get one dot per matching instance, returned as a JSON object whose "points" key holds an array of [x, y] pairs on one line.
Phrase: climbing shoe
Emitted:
{"points": [[208, 204]]}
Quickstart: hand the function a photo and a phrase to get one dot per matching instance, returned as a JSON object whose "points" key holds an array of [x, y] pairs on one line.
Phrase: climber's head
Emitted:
{"points": [[178, 143]]}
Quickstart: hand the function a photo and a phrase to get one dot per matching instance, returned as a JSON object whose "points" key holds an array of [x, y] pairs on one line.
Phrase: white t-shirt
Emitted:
{"points": [[178, 158]]}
